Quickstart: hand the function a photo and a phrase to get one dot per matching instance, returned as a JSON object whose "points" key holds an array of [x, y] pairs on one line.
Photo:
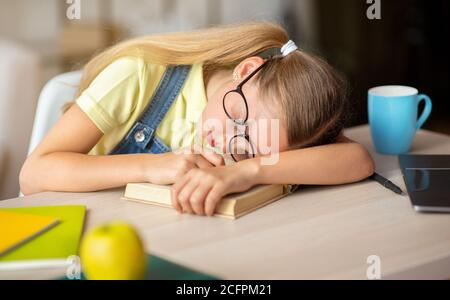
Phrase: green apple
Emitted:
{"points": [[113, 251]]}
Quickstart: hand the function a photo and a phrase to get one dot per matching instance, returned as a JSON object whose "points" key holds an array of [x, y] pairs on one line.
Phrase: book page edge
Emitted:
{"points": [[169, 206], [261, 205]]}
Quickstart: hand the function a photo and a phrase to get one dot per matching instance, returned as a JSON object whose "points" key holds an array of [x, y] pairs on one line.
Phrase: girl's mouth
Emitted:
{"points": [[210, 139]]}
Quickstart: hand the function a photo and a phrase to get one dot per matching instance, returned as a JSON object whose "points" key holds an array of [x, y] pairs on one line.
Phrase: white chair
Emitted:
{"points": [[57, 92]]}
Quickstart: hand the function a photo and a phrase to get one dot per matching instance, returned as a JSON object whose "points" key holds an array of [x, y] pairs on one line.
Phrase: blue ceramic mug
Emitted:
{"points": [[393, 111]]}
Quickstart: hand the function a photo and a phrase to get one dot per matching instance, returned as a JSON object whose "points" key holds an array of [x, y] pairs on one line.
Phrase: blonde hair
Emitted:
{"points": [[309, 92]]}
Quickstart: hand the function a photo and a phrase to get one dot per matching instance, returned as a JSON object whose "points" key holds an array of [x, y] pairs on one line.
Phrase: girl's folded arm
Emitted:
{"points": [[61, 163], [200, 190], [342, 162]]}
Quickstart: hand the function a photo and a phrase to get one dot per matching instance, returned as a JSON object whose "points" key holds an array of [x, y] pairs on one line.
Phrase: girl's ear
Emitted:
{"points": [[246, 67]]}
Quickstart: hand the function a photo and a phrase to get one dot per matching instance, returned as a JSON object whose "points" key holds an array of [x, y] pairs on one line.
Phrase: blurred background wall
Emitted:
{"points": [[38, 41]]}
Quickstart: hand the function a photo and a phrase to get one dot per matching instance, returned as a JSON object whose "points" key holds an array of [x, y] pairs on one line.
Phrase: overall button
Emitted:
{"points": [[139, 136]]}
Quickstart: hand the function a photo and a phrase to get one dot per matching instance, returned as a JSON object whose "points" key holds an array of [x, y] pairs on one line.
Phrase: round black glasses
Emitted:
{"points": [[236, 108]]}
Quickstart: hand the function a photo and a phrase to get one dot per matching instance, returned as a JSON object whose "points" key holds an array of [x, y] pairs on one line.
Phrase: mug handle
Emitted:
{"points": [[426, 111]]}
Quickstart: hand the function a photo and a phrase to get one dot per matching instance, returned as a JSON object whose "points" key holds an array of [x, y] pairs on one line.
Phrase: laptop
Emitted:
{"points": [[427, 179]]}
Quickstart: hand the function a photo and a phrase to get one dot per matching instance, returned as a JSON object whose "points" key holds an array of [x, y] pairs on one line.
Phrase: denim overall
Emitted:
{"points": [[141, 138]]}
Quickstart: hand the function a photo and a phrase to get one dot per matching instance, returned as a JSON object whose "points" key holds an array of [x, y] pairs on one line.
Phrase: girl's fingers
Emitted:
{"points": [[185, 194], [202, 162], [174, 200], [213, 158], [198, 197], [213, 197], [176, 188]]}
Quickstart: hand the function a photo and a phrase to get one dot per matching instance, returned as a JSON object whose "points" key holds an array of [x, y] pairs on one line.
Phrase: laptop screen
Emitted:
{"points": [[427, 179]]}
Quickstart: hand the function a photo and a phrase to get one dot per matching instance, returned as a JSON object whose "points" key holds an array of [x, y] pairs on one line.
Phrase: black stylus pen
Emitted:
{"points": [[386, 183]]}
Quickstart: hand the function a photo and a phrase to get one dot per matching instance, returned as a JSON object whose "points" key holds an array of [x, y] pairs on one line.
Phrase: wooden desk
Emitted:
{"points": [[317, 233]]}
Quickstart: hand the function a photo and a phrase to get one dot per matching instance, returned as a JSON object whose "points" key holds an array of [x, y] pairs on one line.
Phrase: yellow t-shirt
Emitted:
{"points": [[118, 96]]}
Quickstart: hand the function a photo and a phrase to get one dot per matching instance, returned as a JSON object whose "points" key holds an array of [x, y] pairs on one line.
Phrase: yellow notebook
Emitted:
{"points": [[52, 247], [18, 228]]}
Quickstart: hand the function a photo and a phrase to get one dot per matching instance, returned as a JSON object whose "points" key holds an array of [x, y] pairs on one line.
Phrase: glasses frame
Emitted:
{"points": [[240, 122]]}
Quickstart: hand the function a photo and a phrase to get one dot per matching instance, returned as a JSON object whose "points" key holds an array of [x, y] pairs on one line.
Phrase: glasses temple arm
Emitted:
{"points": [[252, 74]]}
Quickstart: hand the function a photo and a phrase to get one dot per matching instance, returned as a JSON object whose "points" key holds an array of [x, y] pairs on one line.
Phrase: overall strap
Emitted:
{"points": [[166, 93], [141, 135]]}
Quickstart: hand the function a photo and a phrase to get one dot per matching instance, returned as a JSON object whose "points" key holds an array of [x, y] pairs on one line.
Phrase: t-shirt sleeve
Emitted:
{"points": [[112, 95]]}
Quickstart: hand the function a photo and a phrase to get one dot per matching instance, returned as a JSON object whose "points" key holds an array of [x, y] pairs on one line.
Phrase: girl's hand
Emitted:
{"points": [[200, 190], [167, 168]]}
